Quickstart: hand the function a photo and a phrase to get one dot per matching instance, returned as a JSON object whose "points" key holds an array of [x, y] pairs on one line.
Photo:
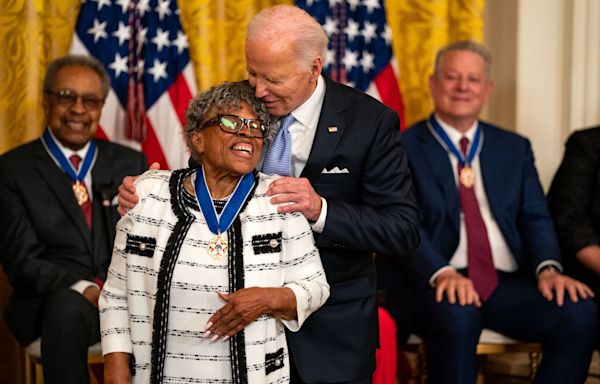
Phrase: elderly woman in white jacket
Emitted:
{"points": [[205, 272]]}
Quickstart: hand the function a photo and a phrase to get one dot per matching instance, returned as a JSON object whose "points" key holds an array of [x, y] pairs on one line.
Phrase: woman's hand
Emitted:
{"points": [[116, 368], [248, 304]]}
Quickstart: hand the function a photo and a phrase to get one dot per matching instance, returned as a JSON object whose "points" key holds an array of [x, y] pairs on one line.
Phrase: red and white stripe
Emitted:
{"points": [[164, 141], [385, 88]]}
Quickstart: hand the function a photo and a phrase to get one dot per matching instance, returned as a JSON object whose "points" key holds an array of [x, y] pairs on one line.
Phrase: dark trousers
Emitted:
{"points": [[295, 377], [517, 310], [70, 325]]}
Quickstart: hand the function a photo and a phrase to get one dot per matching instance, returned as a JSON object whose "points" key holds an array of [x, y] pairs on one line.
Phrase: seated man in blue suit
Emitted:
{"points": [[489, 256]]}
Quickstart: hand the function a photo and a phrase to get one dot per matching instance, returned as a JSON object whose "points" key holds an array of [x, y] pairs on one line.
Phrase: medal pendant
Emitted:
{"points": [[217, 247], [467, 177], [80, 192]]}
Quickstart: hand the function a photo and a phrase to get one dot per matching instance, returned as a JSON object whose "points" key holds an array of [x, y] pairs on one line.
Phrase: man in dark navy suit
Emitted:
{"points": [[347, 174], [55, 232], [489, 256]]}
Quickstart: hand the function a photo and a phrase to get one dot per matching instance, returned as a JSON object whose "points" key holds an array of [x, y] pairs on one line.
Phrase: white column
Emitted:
{"points": [[585, 74], [547, 71], [543, 84]]}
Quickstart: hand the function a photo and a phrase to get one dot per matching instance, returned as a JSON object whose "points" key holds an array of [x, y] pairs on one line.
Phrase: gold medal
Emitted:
{"points": [[217, 247], [467, 177], [80, 192]]}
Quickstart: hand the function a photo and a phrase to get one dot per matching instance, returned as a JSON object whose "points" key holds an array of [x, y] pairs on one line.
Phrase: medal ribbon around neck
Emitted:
{"points": [[65, 164], [220, 223], [442, 135]]}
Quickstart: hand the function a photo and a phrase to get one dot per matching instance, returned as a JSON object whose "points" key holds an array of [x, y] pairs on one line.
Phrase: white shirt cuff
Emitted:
{"points": [[546, 263], [82, 285], [437, 273], [318, 225]]}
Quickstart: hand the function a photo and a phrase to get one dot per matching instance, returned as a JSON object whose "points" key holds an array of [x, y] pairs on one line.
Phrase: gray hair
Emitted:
{"points": [[282, 22], [76, 61], [225, 97], [465, 45]]}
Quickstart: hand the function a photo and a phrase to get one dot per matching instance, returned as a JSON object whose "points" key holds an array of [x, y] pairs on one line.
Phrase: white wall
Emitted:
{"points": [[547, 70]]}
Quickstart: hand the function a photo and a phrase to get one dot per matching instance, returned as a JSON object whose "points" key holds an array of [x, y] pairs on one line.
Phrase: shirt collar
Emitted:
{"points": [[68, 152], [308, 113], [454, 134]]}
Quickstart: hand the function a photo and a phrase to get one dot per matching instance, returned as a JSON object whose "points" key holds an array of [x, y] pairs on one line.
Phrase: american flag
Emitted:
{"points": [[145, 52], [360, 51]]}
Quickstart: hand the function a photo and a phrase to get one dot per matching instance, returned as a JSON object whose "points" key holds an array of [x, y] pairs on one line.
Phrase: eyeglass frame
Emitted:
{"points": [[245, 123], [67, 98]]}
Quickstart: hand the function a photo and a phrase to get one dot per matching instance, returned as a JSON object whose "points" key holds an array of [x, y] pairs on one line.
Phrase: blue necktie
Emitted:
{"points": [[279, 155]]}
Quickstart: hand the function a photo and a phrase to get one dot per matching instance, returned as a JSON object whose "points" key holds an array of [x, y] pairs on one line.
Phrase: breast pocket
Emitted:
{"points": [[140, 245], [267, 243], [344, 186], [339, 178]]}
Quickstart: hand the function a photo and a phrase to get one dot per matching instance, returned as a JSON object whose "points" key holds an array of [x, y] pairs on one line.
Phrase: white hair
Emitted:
{"points": [[288, 23]]}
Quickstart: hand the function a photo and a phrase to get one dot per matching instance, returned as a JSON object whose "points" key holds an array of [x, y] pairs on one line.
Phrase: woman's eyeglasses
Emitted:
{"points": [[68, 98], [234, 124]]}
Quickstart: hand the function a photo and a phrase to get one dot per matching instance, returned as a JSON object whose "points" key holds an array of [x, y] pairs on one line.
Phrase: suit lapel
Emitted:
{"points": [[330, 129], [442, 173], [493, 168], [60, 185], [101, 178]]}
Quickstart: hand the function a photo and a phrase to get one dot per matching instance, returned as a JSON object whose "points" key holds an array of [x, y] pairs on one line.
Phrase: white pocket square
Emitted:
{"points": [[335, 170]]}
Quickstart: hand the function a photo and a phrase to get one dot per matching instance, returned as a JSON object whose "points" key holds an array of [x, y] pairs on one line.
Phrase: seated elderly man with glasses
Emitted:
{"points": [[56, 231]]}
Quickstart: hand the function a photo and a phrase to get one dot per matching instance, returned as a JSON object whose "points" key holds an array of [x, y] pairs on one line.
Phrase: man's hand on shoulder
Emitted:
{"points": [[457, 288], [127, 197], [550, 280], [295, 194]]}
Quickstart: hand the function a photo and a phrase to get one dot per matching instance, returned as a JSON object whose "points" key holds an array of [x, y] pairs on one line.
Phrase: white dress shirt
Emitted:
{"points": [[303, 131], [304, 127], [81, 285], [68, 152], [501, 253]]}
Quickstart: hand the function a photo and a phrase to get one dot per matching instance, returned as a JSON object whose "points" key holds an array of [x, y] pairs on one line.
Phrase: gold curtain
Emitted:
{"points": [[33, 32], [419, 29], [216, 31]]}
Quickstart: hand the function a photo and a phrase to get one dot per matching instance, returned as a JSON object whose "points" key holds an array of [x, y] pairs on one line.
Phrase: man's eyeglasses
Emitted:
{"points": [[67, 98], [234, 124]]}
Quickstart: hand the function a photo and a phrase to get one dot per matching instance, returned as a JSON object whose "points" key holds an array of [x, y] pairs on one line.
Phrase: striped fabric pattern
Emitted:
{"points": [[127, 304]]}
